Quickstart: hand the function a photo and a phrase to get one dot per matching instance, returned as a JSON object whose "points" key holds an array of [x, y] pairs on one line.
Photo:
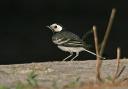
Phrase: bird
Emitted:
{"points": [[68, 41]]}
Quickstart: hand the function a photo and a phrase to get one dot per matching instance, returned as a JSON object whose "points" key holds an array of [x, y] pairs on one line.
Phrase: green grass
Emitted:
{"points": [[31, 79], [110, 79]]}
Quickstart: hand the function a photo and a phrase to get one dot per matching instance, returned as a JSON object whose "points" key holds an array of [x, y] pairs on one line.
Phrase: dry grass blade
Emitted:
{"points": [[107, 31], [98, 62], [117, 63], [96, 41]]}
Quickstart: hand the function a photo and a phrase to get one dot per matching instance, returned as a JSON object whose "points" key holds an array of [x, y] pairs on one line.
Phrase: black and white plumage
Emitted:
{"points": [[68, 41]]}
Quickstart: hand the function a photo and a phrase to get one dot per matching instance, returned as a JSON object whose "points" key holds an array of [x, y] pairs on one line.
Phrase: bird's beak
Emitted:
{"points": [[48, 26]]}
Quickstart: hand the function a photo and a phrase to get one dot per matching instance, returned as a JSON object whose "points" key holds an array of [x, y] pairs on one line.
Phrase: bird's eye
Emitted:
{"points": [[55, 26]]}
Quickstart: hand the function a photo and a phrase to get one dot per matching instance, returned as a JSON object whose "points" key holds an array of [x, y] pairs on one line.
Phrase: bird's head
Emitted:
{"points": [[55, 27]]}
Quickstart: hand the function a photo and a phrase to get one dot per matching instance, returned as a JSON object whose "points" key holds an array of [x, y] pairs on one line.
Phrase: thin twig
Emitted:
{"points": [[98, 62], [86, 34], [125, 77], [121, 71], [117, 63], [107, 31], [96, 41], [122, 67]]}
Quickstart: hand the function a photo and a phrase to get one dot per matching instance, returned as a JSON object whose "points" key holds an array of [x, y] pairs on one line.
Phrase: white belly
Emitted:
{"points": [[71, 49]]}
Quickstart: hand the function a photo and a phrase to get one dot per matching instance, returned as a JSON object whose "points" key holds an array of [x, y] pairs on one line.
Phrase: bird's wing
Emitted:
{"points": [[68, 42], [68, 39], [74, 43], [60, 40]]}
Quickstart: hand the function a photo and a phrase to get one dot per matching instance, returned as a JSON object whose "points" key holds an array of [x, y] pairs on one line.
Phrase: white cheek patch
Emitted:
{"points": [[55, 27], [58, 29]]}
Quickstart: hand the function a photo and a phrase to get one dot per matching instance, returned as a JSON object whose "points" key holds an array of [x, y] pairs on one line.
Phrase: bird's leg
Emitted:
{"points": [[77, 54], [71, 53]]}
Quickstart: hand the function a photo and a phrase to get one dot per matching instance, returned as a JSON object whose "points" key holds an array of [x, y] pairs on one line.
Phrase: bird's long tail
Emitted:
{"points": [[94, 53]]}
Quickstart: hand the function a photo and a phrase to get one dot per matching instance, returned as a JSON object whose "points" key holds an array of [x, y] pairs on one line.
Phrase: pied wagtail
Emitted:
{"points": [[68, 41]]}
